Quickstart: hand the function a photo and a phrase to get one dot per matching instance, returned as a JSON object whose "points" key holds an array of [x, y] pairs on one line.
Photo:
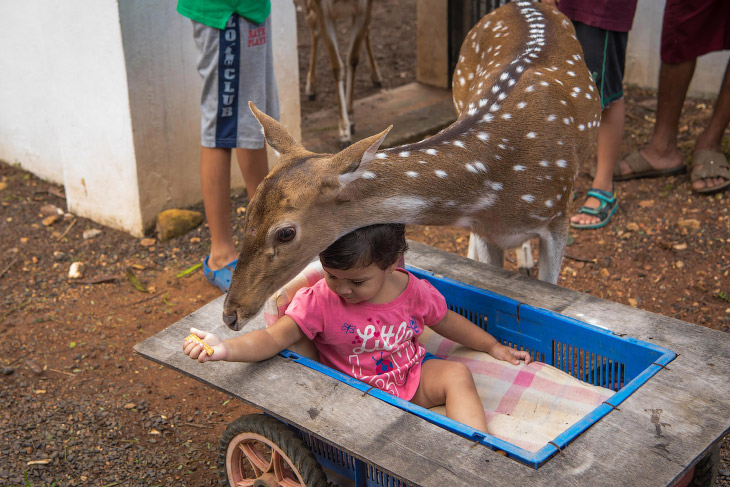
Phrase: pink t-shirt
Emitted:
{"points": [[376, 343]]}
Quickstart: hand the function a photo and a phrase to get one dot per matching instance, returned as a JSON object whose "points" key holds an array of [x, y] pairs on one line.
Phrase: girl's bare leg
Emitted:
{"points": [[451, 383]]}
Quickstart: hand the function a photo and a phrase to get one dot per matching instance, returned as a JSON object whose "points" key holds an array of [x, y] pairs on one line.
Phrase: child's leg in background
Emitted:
{"points": [[451, 383], [215, 179]]}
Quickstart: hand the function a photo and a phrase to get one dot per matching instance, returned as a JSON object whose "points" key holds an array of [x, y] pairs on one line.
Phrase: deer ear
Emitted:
{"points": [[274, 132], [355, 160]]}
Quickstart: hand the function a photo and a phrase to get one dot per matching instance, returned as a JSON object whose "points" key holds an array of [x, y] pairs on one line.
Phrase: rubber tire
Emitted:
{"points": [[282, 436], [706, 469]]}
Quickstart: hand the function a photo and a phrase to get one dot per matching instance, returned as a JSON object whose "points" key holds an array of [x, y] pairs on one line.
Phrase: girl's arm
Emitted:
{"points": [[460, 330], [250, 347]]}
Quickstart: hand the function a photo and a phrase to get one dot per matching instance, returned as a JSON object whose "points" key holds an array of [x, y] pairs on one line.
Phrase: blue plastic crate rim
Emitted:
{"points": [[551, 338]]}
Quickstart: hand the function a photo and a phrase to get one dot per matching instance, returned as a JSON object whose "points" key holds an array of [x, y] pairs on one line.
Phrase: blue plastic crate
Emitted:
{"points": [[589, 353]]}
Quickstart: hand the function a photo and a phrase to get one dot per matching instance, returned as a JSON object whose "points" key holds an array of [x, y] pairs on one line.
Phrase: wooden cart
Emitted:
{"points": [[655, 437]]}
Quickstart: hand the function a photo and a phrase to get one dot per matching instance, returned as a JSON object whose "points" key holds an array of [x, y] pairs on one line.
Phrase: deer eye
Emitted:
{"points": [[286, 234]]}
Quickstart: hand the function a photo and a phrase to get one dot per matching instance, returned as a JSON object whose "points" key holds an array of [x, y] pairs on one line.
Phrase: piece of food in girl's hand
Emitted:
{"points": [[195, 338]]}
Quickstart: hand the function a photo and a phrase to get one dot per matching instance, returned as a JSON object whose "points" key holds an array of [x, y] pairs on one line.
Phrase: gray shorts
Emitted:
{"points": [[237, 65]]}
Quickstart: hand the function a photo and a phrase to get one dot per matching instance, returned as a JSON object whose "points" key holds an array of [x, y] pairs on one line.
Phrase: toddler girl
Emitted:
{"points": [[365, 318]]}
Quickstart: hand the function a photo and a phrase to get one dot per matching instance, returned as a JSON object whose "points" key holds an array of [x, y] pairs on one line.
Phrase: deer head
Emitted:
{"points": [[303, 187]]}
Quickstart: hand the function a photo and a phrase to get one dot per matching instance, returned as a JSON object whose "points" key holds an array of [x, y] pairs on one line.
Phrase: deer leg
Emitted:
{"points": [[482, 251], [328, 30], [375, 75], [309, 89], [360, 26], [552, 247], [525, 263]]}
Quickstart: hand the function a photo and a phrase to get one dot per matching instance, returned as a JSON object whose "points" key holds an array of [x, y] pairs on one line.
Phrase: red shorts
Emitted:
{"points": [[692, 28]]}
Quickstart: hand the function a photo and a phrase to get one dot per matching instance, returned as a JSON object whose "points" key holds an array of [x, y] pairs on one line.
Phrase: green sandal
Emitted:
{"points": [[608, 206]]}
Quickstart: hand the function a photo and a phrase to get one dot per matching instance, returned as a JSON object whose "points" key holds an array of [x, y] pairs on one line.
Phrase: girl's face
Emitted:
{"points": [[357, 284]]}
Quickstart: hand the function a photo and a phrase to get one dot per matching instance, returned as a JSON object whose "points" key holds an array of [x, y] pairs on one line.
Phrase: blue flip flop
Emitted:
{"points": [[220, 278], [604, 212]]}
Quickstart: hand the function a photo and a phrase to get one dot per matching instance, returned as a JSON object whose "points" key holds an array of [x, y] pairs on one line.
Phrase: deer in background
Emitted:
{"points": [[528, 117], [321, 17]]}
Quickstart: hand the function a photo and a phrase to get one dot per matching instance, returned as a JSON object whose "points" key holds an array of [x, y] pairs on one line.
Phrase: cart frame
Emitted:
{"points": [[656, 435]]}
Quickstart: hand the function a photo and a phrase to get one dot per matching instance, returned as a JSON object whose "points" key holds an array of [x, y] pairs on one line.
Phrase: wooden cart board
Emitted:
{"points": [[653, 438]]}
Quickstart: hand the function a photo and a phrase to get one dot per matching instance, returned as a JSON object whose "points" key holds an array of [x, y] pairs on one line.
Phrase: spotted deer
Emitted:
{"points": [[321, 18], [528, 116]]}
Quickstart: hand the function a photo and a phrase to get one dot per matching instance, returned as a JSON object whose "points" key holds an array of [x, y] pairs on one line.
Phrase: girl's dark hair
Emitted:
{"points": [[375, 244]]}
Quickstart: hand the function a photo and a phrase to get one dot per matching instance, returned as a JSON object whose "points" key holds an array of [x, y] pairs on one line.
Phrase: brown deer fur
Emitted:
{"points": [[528, 116]]}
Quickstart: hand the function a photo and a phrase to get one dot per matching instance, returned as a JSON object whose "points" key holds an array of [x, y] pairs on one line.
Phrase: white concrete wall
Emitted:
{"points": [[643, 61], [103, 97]]}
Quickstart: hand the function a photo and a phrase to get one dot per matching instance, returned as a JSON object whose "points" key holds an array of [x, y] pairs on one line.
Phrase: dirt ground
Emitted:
{"points": [[80, 408]]}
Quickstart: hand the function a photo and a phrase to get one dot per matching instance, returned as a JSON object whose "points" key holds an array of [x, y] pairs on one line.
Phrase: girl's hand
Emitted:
{"points": [[510, 355], [196, 351]]}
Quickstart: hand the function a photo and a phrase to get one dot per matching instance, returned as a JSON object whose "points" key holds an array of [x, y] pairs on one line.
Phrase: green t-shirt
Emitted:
{"points": [[215, 13]]}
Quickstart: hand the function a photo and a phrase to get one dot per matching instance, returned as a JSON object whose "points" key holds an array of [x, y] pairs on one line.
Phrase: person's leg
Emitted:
{"points": [[254, 167], [451, 383], [711, 137], [661, 151], [215, 178], [610, 134]]}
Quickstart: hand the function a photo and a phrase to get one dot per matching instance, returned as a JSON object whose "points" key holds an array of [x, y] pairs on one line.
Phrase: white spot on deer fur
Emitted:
{"points": [[483, 102], [570, 73], [494, 107], [518, 167], [561, 163], [544, 163], [470, 167], [483, 136], [559, 197], [495, 186], [531, 135], [459, 143], [549, 203], [506, 116], [488, 117], [368, 175], [519, 69], [551, 118], [412, 174], [462, 81], [422, 162], [530, 89], [502, 146], [431, 152], [581, 127], [502, 96], [588, 95], [560, 142], [480, 166], [521, 105], [405, 204], [381, 155], [404, 153], [471, 111], [566, 121], [498, 157], [440, 173], [528, 197]]}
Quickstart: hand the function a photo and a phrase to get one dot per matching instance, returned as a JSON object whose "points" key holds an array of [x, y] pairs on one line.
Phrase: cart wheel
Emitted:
{"points": [[706, 469], [260, 451]]}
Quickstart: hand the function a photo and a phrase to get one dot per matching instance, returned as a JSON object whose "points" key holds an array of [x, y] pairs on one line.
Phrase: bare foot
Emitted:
{"points": [[701, 184]]}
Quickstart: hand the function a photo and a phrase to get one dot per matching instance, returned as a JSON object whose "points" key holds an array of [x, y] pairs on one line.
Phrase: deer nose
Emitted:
{"points": [[232, 321]]}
